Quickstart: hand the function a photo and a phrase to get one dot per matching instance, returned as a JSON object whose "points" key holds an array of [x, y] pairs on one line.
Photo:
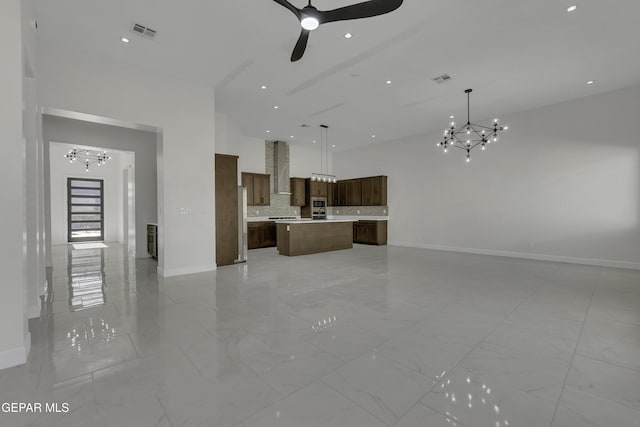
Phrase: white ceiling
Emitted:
{"points": [[515, 54]]}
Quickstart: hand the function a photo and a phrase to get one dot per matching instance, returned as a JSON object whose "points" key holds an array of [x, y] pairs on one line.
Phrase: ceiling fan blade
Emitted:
{"points": [[365, 9], [289, 6], [301, 46]]}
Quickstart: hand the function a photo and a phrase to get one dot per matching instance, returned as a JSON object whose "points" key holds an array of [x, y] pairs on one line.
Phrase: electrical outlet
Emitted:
{"points": [[384, 211], [358, 212], [337, 212]]}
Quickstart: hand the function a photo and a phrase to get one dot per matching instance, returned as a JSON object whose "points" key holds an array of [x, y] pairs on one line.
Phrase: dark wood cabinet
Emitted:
{"points": [[226, 209], [374, 191], [317, 188], [258, 188], [332, 194], [342, 193], [370, 232], [354, 192], [371, 191], [298, 192], [261, 234]]}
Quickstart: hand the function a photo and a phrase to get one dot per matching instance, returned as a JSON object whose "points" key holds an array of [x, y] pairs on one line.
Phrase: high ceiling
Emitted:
{"points": [[515, 54]]}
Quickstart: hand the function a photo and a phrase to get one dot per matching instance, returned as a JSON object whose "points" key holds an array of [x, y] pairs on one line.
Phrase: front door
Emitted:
{"points": [[85, 201]]}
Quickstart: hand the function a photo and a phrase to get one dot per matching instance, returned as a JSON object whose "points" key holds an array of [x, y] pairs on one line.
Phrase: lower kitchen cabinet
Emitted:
{"points": [[261, 234], [370, 232]]}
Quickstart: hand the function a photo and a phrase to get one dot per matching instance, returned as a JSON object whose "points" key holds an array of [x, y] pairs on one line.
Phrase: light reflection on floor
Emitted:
{"points": [[87, 286]]}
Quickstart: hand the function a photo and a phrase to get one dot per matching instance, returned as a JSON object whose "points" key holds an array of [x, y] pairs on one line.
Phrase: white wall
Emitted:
{"points": [[14, 338], [184, 112], [141, 144], [110, 173], [563, 182], [303, 161]]}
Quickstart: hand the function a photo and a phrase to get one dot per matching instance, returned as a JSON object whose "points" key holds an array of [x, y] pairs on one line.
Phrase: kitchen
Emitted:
{"points": [[295, 215]]}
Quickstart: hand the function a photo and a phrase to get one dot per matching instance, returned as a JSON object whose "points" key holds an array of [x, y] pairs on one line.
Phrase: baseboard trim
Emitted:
{"points": [[171, 272], [13, 357], [523, 255], [34, 312]]}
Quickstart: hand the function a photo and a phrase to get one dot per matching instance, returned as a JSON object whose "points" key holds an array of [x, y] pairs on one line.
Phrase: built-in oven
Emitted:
{"points": [[318, 208]]}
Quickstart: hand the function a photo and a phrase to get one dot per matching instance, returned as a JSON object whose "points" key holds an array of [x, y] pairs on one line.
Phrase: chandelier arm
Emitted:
{"points": [[457, 146], [482, 127], [475, 145]]}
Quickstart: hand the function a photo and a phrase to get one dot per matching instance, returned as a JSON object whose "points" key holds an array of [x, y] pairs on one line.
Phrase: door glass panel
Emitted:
{"points": [[86, 217], [86, 184], [85, 192], [86, 226], [85, 201], [82, 209]]}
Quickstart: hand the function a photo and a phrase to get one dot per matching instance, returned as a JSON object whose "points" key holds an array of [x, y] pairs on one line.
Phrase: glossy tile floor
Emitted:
{"points": [[372, 337]]}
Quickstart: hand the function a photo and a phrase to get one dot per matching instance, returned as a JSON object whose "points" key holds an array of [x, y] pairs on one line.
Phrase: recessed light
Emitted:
{"points": [[590, 82], [275, 107], [263, 87], [314, 141], [572, 8], [334, 145], [388, 82], [291, 136], [125, 40], [348, 36], [268, 131], [373, 136], [452, 117]]}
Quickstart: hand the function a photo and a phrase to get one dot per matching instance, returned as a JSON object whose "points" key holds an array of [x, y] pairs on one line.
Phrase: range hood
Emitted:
{"points": [[280, 172]]}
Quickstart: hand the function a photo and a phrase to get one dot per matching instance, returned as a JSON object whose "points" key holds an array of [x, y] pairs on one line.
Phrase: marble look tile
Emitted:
{"points": [[315, 405], [425, 355], [215, 349], [286, 363], [76, 360], [581, 409], [221, 401], [605, 381], [547, 339], [367, 380], [476, 399], [421, 416], [614, 342], [343, 341]]}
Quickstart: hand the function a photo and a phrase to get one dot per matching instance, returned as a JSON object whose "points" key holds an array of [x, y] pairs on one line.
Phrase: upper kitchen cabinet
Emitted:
{"points": [[371, 191], [374, 191], [258, 188], [332, 194], [298, 191], [317, 188], [354, 192]]}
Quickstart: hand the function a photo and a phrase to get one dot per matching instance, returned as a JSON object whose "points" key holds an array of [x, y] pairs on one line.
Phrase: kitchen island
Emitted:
{"points": [[303, 237]]}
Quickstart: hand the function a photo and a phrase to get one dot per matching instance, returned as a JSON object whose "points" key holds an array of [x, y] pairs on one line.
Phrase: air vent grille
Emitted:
{"points": [[442, 79], [143, 31]]}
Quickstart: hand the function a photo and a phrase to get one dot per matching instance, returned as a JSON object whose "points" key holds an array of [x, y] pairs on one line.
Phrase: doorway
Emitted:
{"points": [[85, 209]]}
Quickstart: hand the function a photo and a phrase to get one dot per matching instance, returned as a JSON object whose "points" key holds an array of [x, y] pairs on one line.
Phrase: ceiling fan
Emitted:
{"points": [[311, 18]]}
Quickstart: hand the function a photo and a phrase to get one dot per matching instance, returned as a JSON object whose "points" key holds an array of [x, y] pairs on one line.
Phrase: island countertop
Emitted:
{"points": [[312, 221]]}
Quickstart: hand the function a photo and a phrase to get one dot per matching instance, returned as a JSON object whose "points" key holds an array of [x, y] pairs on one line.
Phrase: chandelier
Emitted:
{"points": [[471, 135], [323, 175], [87, 157]]}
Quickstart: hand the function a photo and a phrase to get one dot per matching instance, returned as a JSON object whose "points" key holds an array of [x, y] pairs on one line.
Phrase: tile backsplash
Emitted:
{"points": [[280, 206], [358, 210]]}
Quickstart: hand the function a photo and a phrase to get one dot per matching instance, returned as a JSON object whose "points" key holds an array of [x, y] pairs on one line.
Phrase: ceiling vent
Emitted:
{"points": [[442, 79], [143, 31]]}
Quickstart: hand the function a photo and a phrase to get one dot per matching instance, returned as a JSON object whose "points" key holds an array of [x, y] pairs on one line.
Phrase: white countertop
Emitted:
{"points": [[330, 217], [311, 221], [359, 217]]}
